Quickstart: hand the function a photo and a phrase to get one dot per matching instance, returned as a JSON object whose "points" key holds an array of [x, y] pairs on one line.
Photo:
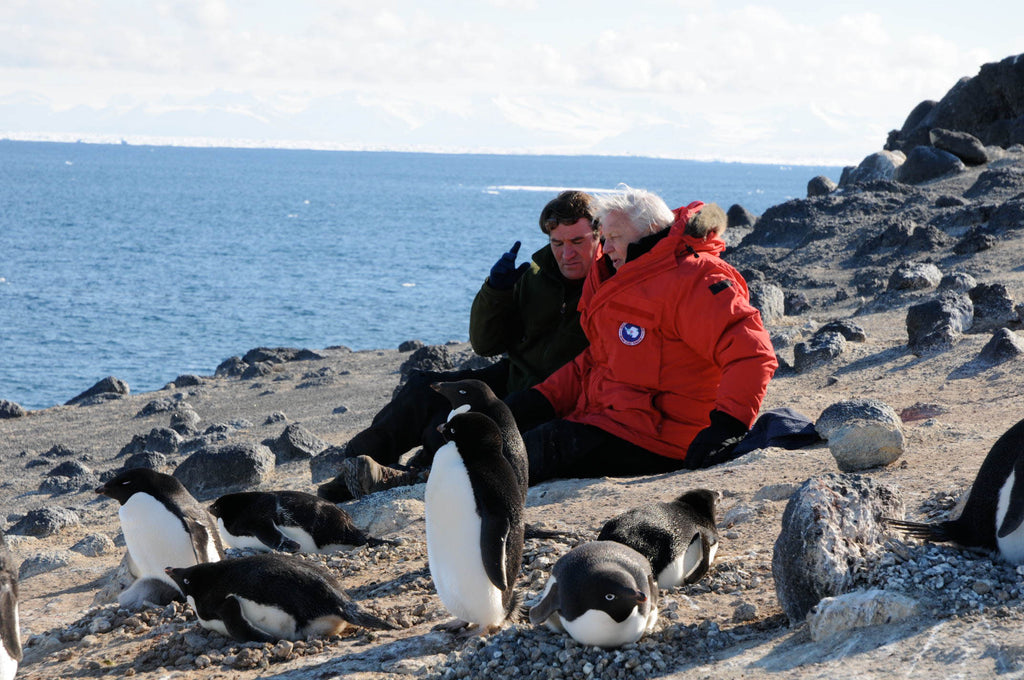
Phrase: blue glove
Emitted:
{"points": [[504, 273], [715, 443]]}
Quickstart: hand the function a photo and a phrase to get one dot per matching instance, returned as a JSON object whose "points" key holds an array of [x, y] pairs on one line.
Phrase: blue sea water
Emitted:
{"points": [[146, 263]]}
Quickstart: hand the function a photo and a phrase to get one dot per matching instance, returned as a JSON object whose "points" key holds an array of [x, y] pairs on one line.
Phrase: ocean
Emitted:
{"points": [[147, 262]]}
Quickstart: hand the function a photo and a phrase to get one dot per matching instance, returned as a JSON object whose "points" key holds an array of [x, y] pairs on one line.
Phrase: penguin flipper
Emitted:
{"points": [[8, 620], [546, 608], [494, 531], [237, 625], [695, 567], [269, 535], [200, 536], [1015, 510]]}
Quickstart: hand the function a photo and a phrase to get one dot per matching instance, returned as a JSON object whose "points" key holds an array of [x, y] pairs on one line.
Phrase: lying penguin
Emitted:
{"points": [[474, 518], [993, 516], [602, 593], [270, 597], [290, 521], [679, 538], [10, 631], [163, 526]]}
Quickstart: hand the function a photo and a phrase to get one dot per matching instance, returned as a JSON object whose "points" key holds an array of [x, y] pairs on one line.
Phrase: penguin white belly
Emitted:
{"points": [[216, 625], [595, 627], [155, 537], [8, 664], [1011, 546], [680, 569], [239, 542], [272, 620], [302, 537], [453, 543]]}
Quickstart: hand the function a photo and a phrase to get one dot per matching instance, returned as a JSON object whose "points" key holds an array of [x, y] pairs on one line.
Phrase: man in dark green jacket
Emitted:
{"points": [[526, 312]]}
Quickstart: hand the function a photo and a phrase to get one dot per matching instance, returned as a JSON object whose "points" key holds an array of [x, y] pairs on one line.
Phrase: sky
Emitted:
{"points": [[786, 81]]}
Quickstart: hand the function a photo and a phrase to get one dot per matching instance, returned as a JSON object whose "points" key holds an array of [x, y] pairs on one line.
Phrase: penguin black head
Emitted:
{"points": [[613, 592], [473, 393], [472, 431], [128, 483], [703, 501], [186, 578], [229, 504]]}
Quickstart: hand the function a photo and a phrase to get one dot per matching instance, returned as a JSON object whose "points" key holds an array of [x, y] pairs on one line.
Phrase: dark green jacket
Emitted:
{"points": [[536, 323]]}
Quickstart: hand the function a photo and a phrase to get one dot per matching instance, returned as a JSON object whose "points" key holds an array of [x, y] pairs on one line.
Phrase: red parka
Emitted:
{"points": [[672, 336]]}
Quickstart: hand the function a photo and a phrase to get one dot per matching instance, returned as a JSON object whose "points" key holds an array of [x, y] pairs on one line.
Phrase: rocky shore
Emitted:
{"points": [[897, 288]]}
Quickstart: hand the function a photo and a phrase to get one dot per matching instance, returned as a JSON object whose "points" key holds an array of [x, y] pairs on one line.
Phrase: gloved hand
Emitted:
{"points": [[715, 443], [504, 273], [530, 408]]}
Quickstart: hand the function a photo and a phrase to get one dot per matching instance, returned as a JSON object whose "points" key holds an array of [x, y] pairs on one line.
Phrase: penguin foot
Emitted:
{"points": [[453, 626]]}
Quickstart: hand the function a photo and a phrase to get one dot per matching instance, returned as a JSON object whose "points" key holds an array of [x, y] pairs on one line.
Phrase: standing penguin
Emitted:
{"points": [[10, 631], [476, 396], [163, 526], [285, 520], [679, 538], [474, 517], [993, 516], [602, 593], [269, 597]]}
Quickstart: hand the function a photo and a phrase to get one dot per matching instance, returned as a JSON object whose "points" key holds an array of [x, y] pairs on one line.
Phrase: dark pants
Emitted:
{"points": [[411, 418], [561, 449]]}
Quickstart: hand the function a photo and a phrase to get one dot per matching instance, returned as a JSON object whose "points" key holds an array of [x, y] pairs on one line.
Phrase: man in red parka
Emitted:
{"points": [[678, 361]]}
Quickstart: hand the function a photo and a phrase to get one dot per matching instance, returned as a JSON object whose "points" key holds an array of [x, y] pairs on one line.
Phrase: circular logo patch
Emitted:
{"points": [[631, 334]]}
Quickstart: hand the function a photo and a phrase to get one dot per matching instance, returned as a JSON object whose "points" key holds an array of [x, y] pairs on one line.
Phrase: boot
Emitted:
{"points": [[363, 475], [335, 490]]}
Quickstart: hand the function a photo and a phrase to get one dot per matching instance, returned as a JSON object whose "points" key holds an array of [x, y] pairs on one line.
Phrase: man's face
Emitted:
{"points": [[618, 232], [574, 246]]}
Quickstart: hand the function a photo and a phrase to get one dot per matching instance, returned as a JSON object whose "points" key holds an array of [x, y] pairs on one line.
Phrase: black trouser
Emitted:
{"points": [[561, 449], [411, 418]]}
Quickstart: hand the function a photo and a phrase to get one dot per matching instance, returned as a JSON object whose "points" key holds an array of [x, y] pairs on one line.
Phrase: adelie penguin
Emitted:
{"points": [[993, 516], [476, 396], [474, 518], [269, 597], [679, 538], [10, 631], [163, 526], [602, 593], [290, 521]]}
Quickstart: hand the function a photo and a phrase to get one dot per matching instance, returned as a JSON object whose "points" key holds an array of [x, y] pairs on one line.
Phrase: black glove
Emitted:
{"points": [[504, 273], [715, 443], [530, 408]]}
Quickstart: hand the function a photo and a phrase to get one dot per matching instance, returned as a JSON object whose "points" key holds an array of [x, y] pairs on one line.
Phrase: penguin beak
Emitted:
{"points": [[435, 386], [641, 597]]}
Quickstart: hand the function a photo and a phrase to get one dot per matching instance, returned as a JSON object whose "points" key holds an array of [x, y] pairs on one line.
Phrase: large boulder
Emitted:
{"points": [[296, 443], [822, 348], [925, 163], [10, 409], [108, 388], [216, 470], [881, 165], [937, 325], [1004, 345], [993, 306], [768, 299], [829, 528], [915, 276], [963, 145]]}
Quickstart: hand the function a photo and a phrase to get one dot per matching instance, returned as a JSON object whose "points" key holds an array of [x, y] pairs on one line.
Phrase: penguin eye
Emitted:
{"points": [[126, 483], [609, 597], [462, 391], [185, 581]]}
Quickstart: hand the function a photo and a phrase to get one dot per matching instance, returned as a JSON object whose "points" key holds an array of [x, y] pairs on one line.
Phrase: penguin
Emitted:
{"points": [[602, 593], [477, 396], [10, 631], [474, 518], [269, 597], [679, 538], [290, 521], [163, 526], [993, 516]]}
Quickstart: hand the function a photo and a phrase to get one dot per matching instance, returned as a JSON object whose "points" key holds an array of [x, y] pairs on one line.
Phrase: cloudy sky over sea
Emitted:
{"points": [[786, 81]]}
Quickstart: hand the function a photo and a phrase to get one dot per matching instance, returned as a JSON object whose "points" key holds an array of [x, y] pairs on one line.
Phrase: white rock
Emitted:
{"points": [[862, 444], [855, 610]]}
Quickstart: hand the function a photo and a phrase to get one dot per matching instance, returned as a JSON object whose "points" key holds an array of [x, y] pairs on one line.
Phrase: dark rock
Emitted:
{"points": [[295, 443], [70, 468], [830, 526], [275, 417], [429, 358], [949, 202], [796, 303], [847, 329], [925, 239], [975, 241], [279, 355], [325, 465], [9, 409], [185, 421], [1008, 217], [318, 378], [231, 368], [985, 106], [187, 380], [996, 181], [818, 351], [993, 306], [768, 299], [1004, 345], [842, 412], [58, 451], [44, 522], [410, 345], [739, 217], [915, 276], [957, 282], [213, 471], [820, 186], [340, 409], [936, 325], [925, 163], [159, 439], [42, 563], [58, 485], [963, 145], [147, 459], [162, 405], [106, 388], [257, 370]]}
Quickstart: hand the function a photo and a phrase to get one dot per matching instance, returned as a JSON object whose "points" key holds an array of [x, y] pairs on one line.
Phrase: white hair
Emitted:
{"points": [[646, 211]]}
